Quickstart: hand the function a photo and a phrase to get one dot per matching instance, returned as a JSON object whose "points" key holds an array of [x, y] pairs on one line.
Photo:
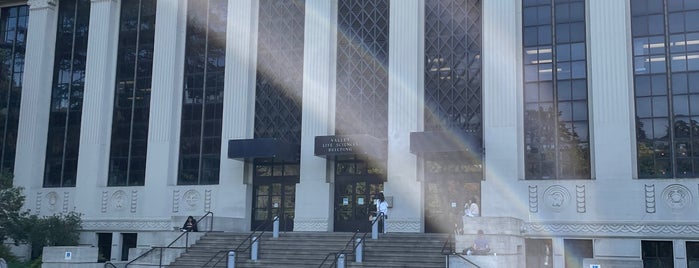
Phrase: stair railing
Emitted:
{"points": [[222, 254], [352, 241], [449, 250], [169, 246], [106, 264]]}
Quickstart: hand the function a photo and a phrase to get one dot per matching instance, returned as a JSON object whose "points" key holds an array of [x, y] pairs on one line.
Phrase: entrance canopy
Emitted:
{"points": [[445, 142], [359, 144], [249, 149]]}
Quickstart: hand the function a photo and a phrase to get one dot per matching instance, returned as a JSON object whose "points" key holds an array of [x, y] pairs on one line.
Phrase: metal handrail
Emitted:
{"points": [[237, 249], [186, 242], [109, 263], [160, 264], [351, 240], [211, 223], [449, 249]]}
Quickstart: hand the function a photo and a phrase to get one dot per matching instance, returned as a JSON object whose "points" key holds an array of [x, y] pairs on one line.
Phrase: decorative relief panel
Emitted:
{"points": [[38, 4], [191, 199], [533, 199], [620, 229], [105, 200], [310, 225], [66, 198], [175, 201], [37, 205], [51, 201], [207, 200], [580, 198], [126, 225], [134, 200], [556, 198], [677, 197], [408, 225], [650, 198], [118, 200]]}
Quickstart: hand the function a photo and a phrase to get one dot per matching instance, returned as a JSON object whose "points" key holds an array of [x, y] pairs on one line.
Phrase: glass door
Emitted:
{"points": [[354, 202], [274, 197]]}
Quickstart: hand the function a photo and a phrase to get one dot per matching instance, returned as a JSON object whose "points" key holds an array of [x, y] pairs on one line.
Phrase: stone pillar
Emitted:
{"points": [[611, 92], [502, 109], [36, 95], [165, 107], [314, 195], [405, 113], [238, 109], [98, 103]]}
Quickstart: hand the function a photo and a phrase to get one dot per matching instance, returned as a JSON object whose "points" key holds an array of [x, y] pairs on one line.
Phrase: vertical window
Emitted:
{"points": [[202, 100], [692, 254], [13, 36], [576, 250], [556, 139], [362, 64], [127, 161], [657, 254], [666, 87], [279, 84], [67, 93], [453, 81]]}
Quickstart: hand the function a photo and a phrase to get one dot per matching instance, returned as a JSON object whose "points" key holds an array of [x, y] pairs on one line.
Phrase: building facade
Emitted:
{"points": [[575, 119]]}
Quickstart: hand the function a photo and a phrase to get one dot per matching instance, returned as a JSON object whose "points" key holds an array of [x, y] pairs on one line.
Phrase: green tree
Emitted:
{"points": [[11, 213]]}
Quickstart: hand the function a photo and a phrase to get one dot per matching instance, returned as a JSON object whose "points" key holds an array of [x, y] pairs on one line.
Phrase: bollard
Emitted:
{"points": [[275, 232], [231, 259], [358, 253], [375, 230], [341, 261], [253, 249]]}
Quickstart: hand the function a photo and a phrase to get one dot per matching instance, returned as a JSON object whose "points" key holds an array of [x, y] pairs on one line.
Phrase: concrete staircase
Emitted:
{"points": [[308, 249]]}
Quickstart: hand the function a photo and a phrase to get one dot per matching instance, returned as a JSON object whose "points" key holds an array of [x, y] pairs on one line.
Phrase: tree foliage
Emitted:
{"points": [[20, 226]]}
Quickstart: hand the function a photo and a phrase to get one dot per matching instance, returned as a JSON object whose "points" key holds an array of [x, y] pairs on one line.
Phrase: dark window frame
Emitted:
{"points": [[556, 113], [63, 141]]}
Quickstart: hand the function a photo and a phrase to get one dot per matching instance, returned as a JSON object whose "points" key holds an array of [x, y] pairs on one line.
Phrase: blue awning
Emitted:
{"points": [[248, 149]]}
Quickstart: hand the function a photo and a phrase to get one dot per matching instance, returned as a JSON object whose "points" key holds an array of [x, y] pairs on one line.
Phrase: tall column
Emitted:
{"points": [[405, 104], [611, 91], [36, 95], [165, 103], [98, 101], [502, 108], [238, 108], [314, 200]]}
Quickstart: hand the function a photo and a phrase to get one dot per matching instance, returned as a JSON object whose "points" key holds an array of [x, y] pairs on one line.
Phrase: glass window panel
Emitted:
{"points": [[659, 85], [579, 89], [692, 41], [641, 65], [680, 105], [531, 92], [564, 70], [642, 85], [660, 128], [565, 110], [563, 52], [563, 33], [529, 16], [655, 24], [577, 32], [544, 35], [577, 51], [656, 45], [531, 36], [692, 21], [578, 69], [693, 82], [644, 108], [677, 43], [564, 90], [579, 110], [693, 61], [676, 21], [679, 83], [657, 64], [544, 16], [694, 104], [678, 62], [640, 46], [660, 106]]}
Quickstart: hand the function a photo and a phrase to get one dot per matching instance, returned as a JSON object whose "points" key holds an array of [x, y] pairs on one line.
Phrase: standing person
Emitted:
{"points": [[382, 212], [190, 225], [473, 208]]}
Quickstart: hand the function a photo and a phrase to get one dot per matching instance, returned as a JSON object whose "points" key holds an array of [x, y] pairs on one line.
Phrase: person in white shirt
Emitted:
{"points": [[382, 211]]}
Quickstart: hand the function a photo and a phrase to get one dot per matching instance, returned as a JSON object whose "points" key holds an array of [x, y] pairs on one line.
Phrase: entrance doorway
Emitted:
{"points": [[451, 181], [274, 194], [354, 202], [357, 181]]}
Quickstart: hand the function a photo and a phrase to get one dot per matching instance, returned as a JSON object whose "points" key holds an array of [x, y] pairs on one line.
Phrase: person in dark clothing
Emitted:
{"points": [[190, 225]]}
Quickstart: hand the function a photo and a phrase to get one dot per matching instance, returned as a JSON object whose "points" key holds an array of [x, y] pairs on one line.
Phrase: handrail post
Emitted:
{"points": [[231, 259], [253, 249], [275, 229], [375, 229], [186, 242], [341, 261], [160, 264], [358, 252]]}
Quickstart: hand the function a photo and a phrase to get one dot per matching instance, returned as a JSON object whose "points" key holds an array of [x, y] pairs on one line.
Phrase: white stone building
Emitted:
{"points": [[553, 115]]}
